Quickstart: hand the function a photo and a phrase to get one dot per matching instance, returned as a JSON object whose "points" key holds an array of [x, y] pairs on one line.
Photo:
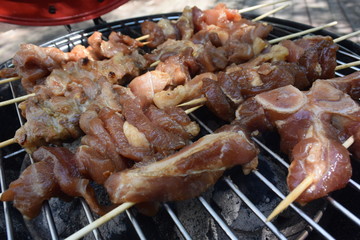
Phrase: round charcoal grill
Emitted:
{"points": [[236, 207]]}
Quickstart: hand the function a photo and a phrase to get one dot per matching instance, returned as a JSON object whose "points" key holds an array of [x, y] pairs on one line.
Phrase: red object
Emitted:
{"points": [[54, 12]]}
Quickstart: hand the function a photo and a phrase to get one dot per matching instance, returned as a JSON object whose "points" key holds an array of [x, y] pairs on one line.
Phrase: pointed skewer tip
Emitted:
{"points": [[295, 193], [100, 221]]}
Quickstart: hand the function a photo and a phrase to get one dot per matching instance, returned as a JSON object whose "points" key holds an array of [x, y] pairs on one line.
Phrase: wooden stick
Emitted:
{"points": [[339, 39], [7, 142], [193, 102], [300, 188], [348, 142], [15, 100], [260, 6], [154, 64], [276, 40], [190, 110], [291, 197], [352, 64], [271, 12], [142, 37], [100, 221], [6, 80]]}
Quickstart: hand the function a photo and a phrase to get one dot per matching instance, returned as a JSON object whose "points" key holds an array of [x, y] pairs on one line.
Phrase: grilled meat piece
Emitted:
{"points": [[181, 93], [161, 140], [54, 175], [53, 114], [114, 137], [312, 126], [185, 174], [165, 29], [271, 70], [33, 63], [315, 53], [221, 37]]}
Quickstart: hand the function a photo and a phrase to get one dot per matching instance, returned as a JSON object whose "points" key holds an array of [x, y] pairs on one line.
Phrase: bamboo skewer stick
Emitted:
{"points": [[193, 102], [154, 64], [276, 40], [347, 65], [271, 12], [339, 39], [249, 9], [190, 110], [100, 221], [15, 100], [142, 37], [348, 142], [7, 142], [291, 197], [300, 189], [6, 80]]}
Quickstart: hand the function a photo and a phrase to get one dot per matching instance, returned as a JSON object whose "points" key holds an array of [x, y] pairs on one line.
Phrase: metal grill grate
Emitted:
{"points": [[243, 187]]}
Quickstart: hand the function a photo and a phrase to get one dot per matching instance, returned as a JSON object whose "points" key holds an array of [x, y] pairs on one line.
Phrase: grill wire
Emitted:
{"points": [[131, 27]]}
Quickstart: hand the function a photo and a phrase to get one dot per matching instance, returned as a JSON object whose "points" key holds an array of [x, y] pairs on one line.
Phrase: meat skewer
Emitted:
{"points": [[114, 140], [296, 192], [299, 63], [135, 83], [100, 221], [42, 61], [330, 116], [10, 141], [19, 99], [96, 50], [67, 93], [203, 100], [201, 144], [157, 62]]}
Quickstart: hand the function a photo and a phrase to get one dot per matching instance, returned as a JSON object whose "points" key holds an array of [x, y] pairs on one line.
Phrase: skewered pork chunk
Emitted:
{"points": [[112, 138], [53, 175], [175, 70], [270, 70], [312, 126], [287, 63], [165, 29], [181, 93], [220, 37], [162, 141], [185, 174], [33, 63], [315, 53], [111, 142], [53, 114]]}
